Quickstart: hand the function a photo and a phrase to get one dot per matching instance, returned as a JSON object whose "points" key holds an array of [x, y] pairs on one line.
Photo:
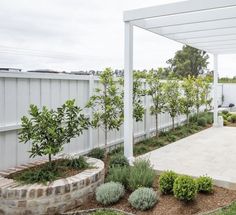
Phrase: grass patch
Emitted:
{"points": [[44, 173], [230, 210], [106, 212]]}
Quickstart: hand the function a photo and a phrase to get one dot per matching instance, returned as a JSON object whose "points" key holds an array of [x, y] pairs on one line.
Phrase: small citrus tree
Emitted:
{"points": [[107, 105], [172, 97], [156, 91], [199, 98], [138, 94], [187, 97], [48, 130], [206, 91]]}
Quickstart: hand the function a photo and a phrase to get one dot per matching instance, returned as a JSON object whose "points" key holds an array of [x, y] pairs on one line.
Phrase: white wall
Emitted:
{"points": [[19, 90]]}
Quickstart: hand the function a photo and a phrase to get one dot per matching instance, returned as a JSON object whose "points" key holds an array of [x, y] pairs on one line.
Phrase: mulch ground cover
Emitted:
{"points": [[169, 205]]}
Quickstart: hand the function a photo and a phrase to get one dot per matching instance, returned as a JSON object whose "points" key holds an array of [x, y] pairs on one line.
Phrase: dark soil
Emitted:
{"points": [[169, 205]]}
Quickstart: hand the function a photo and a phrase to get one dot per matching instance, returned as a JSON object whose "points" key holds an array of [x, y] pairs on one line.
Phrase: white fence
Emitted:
{"points": [[19, 90]]}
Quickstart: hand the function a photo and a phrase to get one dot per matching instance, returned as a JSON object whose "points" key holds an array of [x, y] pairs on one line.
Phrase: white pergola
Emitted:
{"points": [[209, 25]]}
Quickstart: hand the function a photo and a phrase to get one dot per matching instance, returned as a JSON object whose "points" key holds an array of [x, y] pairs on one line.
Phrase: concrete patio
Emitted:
{"points": [[210, 152]]}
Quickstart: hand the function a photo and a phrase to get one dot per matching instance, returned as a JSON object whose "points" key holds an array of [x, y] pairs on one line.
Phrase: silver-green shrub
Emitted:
{"points": [[143, 198], [119, 174], [109, 193], [141, 174]]}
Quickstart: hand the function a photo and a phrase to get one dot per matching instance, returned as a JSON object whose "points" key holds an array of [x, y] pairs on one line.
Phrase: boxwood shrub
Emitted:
{"points": [[166, 181], [205, 184], [185, 188]]}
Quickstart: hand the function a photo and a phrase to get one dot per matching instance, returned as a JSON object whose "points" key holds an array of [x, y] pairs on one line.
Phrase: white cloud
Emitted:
{"points": [[79, 34]]}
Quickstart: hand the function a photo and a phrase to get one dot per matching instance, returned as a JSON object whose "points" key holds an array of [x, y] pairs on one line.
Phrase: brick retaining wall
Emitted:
{"points": [[58, 196]]}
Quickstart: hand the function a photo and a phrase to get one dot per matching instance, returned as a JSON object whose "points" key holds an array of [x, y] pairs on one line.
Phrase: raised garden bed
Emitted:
{"points": [[50, 198], [169, 205]]}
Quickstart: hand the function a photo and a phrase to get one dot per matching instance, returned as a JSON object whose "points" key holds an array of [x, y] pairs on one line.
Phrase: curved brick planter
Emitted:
{"points": [[56, 197]]}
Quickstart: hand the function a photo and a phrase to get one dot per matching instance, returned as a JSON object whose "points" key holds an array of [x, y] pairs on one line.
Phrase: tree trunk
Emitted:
{"points": [[157, 133], [173, 123], [187, 116], [50, 160], [106, 148]]}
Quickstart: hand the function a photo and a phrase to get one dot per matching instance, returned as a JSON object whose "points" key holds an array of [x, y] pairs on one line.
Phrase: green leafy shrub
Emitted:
{"points": [[76, 162], [142, 175], [185, 188], [233, 118], [205, 184], [42, 175], [118, 160], [117, 150], [226, 122], [202, 121], [166, 181], [98, 153], [48, 130], [109, 193], [119, 174], [229, 119], [143, 198], [140, 149], [225, 112]]}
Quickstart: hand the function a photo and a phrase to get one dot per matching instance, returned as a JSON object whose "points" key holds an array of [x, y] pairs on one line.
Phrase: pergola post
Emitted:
{"points": [[128, 92], [215, 86]]}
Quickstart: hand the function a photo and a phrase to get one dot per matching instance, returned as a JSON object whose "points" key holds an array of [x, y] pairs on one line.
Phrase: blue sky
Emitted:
{"points": [[81, 35]]}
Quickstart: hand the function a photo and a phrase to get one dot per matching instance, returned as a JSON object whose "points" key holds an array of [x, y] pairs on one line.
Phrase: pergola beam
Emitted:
{"points": [[202, 34], [202, 26], [176, 8]]}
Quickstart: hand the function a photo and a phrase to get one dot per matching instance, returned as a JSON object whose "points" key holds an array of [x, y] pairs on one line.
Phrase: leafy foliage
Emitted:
{"points": [[202, 121], [118, 160], [172, 97], [156, 91], [76, 162], [109, 193], [138, 94], [49, 172], [185, 188], [98, 153], [49, 130], [166, 181], [107, 104], [143, 198], [205, 184], [142, 174], [188, 61], [187, 99], [119, 174]]}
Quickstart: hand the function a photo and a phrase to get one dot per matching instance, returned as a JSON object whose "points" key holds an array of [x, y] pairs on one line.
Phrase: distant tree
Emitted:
{"points": [[172, 99], [188, 61], [107, 105], [187, 96], [156, 91]]}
